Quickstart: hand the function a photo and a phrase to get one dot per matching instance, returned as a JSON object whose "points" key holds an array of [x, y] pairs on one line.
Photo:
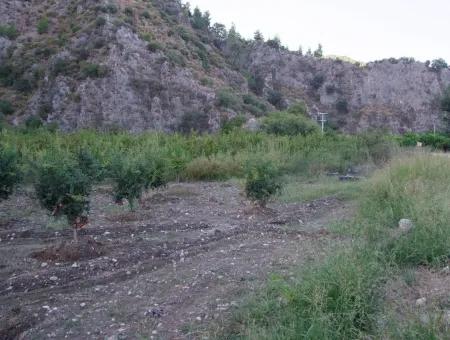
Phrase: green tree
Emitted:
{"points": [[43, 25], [258, 36], [262, 181], [319, 52], [438, 64], [133, 175], [63, 189], [10, 174]]}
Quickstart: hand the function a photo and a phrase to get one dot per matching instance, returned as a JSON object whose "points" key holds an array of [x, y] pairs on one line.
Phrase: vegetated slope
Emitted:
{"points": [[154, 65]]}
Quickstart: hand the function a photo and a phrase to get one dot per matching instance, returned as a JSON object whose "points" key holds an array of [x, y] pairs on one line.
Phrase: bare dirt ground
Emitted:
{"points": [[171, 270]]}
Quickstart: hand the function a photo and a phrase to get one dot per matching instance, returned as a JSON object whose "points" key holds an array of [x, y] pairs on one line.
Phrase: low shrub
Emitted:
{"points": [[43, 25], [262, 181], [227, 99], [194, 122], [288, 124], [211, 169], [91, 70], [231, 124], [10, 174], [9, 31], [6, 107]]}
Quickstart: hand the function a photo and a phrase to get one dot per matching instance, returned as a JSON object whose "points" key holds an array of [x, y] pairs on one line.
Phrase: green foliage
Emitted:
{"points": [[418, 189], [89, 165], [298, 108], [146, 15], [274, 43], [440, 141], [445, 100], [231, 124], [319, 52], [6, 107], [10, 174], [262, 181], [380, 147], [43, 25], [91, 70], [200, 21], [256, 83], [342, 106], [317, 81], [61, 186], [254, 105], [275, 97], [100, 21], [438, 64], [194, 122], [9, 31], [133, 175], [333, 300], [288, 124], [129, 11], [33, 122], [210, 169], [227, 99], [154, 46]]}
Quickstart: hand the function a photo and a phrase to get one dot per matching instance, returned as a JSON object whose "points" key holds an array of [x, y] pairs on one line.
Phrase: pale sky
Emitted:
{"points": [[360, 29]]}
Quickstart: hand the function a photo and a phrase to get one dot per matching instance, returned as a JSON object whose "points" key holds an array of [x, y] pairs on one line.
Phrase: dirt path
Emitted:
{"points": [[171, 270]]}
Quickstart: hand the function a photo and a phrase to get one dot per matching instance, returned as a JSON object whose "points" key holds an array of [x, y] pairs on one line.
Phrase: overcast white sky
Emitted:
{"points": [[360, 29]]}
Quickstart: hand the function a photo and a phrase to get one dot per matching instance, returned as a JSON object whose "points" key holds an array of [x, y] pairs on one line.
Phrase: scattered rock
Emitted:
{"points": [[53, 278], [405, 225], [421, 302]]}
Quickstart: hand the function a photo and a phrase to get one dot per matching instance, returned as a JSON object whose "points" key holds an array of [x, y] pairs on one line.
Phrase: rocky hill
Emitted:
{"points": [[157, 64]]}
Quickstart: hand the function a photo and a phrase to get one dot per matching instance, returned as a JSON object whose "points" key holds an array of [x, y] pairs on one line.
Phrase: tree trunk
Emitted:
{"points": [[75, 235]]}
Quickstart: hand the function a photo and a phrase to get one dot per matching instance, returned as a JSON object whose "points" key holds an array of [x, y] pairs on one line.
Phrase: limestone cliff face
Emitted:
{"points": [[400, 95], [141, 65]]}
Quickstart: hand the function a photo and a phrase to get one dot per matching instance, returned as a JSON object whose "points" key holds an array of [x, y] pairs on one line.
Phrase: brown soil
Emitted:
{"points": [[173, 269], [85, 249]]}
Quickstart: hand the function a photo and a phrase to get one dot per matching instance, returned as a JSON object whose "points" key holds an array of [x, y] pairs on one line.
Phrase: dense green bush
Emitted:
{"points": [[262, 181], [254, 105], [227, 99], [62, 188], [298, 108], [194, 122], [342, 105], [276, 98], [6, 107], [43, 25], [90, 165], [93, 70], [438, 64], [230, 124], [8, 31], [439, 141], [288, 124], [10, 174], [133, 175]]}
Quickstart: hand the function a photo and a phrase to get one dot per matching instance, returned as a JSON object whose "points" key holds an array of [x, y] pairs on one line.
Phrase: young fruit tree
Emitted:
{"points": [[9, 172], [262, 181], [63, 189], [132, 176]]}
